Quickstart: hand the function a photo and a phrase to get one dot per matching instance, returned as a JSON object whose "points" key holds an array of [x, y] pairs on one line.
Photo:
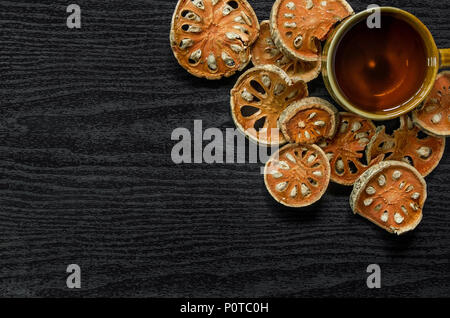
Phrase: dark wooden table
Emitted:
{"points": [[86, 175]]}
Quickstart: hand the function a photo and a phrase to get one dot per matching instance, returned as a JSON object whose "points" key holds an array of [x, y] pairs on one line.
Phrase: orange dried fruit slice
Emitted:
{"points": [[264, 51], [390, 194], [258, 99], [409, 145], [308, 121], [433, 116], [298, 26], [346, 150], [297, 175], [212, 38]]}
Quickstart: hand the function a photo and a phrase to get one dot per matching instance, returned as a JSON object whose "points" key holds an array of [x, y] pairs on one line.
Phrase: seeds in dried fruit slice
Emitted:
{"points": [[346, 150], [258, 98], [308, 121], [409, 145], [297, 175], [212, 38], [433, 116], [391, 195], [297, 26], [264, 51]]}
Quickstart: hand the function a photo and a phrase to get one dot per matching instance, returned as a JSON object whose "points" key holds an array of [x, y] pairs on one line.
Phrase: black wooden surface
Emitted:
{"points": [[86, 175]]}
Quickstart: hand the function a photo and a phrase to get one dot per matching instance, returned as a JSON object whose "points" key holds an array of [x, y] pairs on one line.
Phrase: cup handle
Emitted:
{"points": [[445, 58]]}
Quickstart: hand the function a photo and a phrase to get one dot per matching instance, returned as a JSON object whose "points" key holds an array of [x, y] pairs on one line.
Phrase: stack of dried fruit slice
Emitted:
{"points": [[387, 172], [213, 38], [264, 51], [270, 105], [298, 26], [298, 174], [392, 193], [259, 97], [291, 39]]}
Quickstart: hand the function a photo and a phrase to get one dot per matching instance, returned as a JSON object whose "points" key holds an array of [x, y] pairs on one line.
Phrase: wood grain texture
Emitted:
{"points": [[86, 175]]}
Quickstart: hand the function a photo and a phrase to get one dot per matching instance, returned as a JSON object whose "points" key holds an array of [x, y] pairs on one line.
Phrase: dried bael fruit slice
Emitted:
{"points": [[211, 38], [297, 175], [264, 52], [408, 145], [308, 121], [380, 144], [433, 116], [346, 150], [259, 97], [297, 26], [391, 195]]}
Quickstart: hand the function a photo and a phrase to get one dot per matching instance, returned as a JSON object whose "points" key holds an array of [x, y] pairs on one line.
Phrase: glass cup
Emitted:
{"points": [[436, 59]]}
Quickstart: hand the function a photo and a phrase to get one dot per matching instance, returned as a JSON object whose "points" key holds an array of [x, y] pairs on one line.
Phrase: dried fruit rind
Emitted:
{"points": [[433, 116], [390, 194], [212, 38], [308, 121], [259, 97], [264, 51], [297, 26], [422, 152], [346, 150], [297, 175]]}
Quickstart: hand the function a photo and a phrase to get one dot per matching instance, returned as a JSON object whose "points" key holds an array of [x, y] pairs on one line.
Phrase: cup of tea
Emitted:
{"points": [[381, 67]]}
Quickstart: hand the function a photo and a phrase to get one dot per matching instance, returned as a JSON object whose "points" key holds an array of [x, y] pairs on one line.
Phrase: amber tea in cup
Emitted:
{"points": [[381, 69]]}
